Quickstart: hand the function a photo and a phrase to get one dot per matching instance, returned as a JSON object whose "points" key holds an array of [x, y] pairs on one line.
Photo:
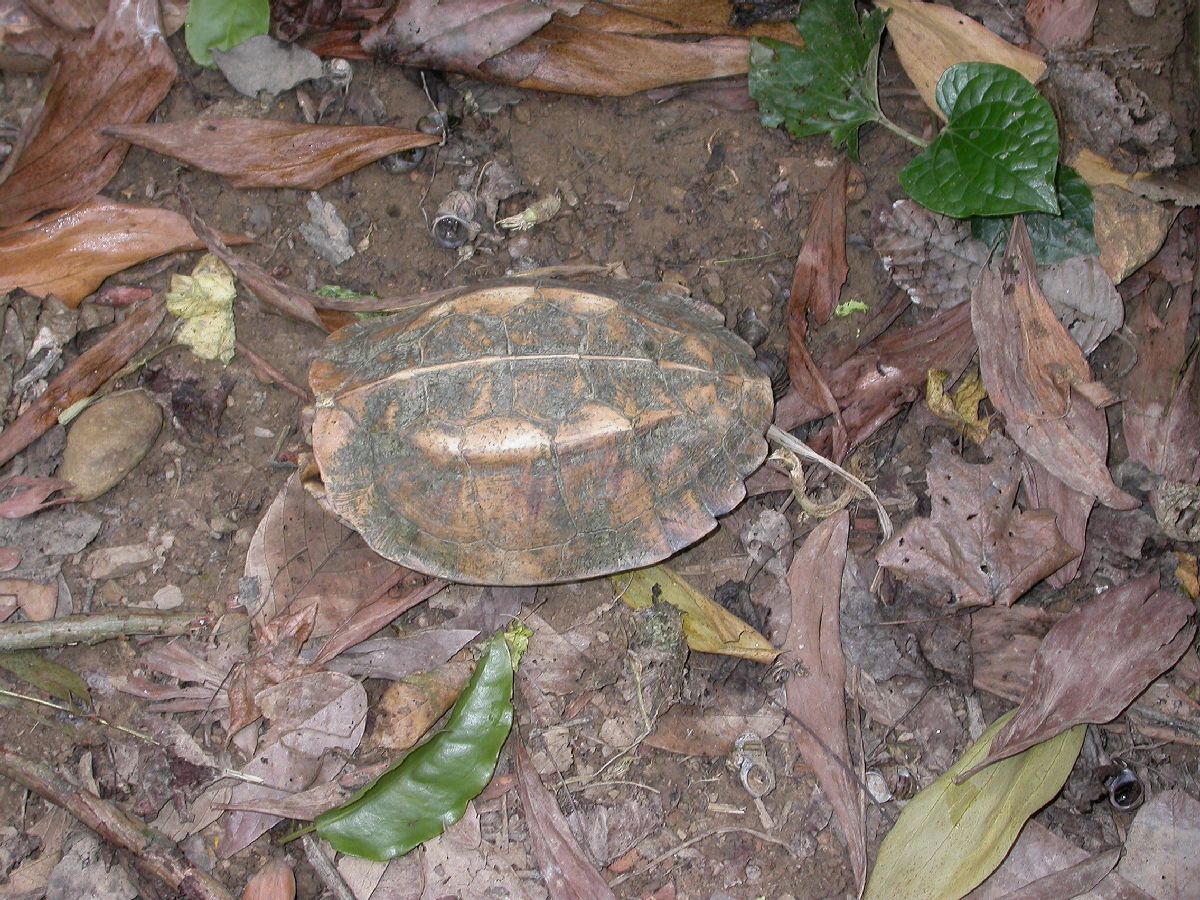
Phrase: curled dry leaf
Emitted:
{"points": [[815, 694], [1037, 376], [119, 74], [82, 377], [1162, 405], [70, 255], [1056, 24], [975, 541], [1095, 660], [262, 153], [930, 39], [302, 556], [565, 866], [29, 495], [1071, 509]]}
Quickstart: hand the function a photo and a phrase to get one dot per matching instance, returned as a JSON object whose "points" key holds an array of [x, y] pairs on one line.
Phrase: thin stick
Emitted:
{"points": [[151, 851], [97, 627], [330, 877], [270, 374]]}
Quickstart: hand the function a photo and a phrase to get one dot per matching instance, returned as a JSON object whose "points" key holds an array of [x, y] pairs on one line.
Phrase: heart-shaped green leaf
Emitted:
{"points": [[1055, 238], [997, 154]]}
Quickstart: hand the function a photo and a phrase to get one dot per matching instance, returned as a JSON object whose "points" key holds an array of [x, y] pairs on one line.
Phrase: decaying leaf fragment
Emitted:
{"points": [[951, 836], [1095, 660], [708, 626], [1037, 376], [821, 267], [261, 153], [815, 692], [975, 541], [118, 74], [69, 256], [960, 408], [933, 257]]}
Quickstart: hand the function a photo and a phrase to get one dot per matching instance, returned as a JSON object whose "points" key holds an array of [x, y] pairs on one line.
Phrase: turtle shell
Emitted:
{"points": [[531, 433]]}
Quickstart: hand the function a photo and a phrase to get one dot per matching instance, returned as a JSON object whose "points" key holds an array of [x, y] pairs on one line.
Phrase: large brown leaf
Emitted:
{"points": [[975, 541], [118, 75], [302, 556], [263, 153], [1037, 376], [1096, 660], [815, 694], [69, 256], [1162, 407]]}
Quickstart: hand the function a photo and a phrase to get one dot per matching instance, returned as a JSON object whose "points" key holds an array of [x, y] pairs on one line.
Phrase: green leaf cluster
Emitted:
{"points": [[429, 789], [222, 25]]}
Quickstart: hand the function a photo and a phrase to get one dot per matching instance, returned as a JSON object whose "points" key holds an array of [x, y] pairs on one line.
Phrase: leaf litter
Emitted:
{"points": [[267, 678]]}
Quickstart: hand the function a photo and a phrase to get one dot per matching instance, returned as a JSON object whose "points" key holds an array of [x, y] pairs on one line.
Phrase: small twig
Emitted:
{"points": [[679, 848], [270, 374], [151, 851], [97, 627], [329, 875]]}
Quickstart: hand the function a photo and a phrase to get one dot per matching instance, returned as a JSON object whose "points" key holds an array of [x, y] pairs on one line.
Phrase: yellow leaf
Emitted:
{"points": [[930, 39], [708, 626], [204, 300], [960, 409], [951, 836]]}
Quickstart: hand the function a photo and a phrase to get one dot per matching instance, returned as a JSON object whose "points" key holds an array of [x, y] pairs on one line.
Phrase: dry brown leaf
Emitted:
{"points": [[1071, 509], [119, 74], [275, 880], [1162, 404], [933, 257], [930, 39], [264, 153], [1060, 23], [821, 267], [1038, 377], [711, 732], [815, 692], [1084, 298], [29, 495], [565, 867], [70, 255], [1129, 229], [1095, 661], [408, 708], [975, 541], [82, 377], [302, 556], [37, 601]]}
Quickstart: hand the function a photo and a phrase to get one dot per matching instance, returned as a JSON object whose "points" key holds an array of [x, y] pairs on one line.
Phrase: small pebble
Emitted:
{"points": [[169, 597], [117, 562]]}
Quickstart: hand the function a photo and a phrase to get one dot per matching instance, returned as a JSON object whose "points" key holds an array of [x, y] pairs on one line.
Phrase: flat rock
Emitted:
{"points": [[108, 440], [117, 562]]}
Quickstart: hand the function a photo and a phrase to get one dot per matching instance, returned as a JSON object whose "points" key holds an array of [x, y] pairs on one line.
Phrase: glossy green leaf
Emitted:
{"points": [[828, 86], [429, 789], [1055, 238], [997, 154], [222, 25], [48, 676], [950, 836]]}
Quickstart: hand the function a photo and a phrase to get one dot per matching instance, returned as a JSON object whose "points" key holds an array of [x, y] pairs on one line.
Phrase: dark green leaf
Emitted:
{"points": [[1055, 238], [998, 152], [429, 789], [828, 86], [48, 676], [222, 25]]}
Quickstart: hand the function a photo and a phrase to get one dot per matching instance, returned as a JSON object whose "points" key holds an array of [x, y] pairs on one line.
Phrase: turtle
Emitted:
{"points": [[537, 432]]}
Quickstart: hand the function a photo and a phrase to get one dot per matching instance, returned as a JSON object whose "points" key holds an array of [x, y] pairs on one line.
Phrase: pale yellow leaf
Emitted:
{"points": [[951, 836]]}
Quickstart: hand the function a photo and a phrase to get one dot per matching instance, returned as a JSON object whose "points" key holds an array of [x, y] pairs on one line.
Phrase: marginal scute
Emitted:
{"points": [[535, 432]]}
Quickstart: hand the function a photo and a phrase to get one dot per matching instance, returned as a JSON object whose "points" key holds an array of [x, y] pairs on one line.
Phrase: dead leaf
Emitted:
{"points": [[409, 707], [975, 541], [302, 556], [21, 503], [565, 867], [1162, 404], [815, 693], [10, 558], [69, 256], [82, 377], [1071, 509], [821, 267], [1038, 378], [1095, 661], [119, 74], [933, 257], [711, 732], [399, 657], [1129, 229], [1160, 855], [275, 880], [1084, 299], [316, 721], [37, 601], [961, 408], [930, 39], [264, 153], [1056, 24]]}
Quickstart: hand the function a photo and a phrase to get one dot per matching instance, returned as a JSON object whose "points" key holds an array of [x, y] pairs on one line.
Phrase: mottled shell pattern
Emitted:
{"points": [[536, 432]]}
